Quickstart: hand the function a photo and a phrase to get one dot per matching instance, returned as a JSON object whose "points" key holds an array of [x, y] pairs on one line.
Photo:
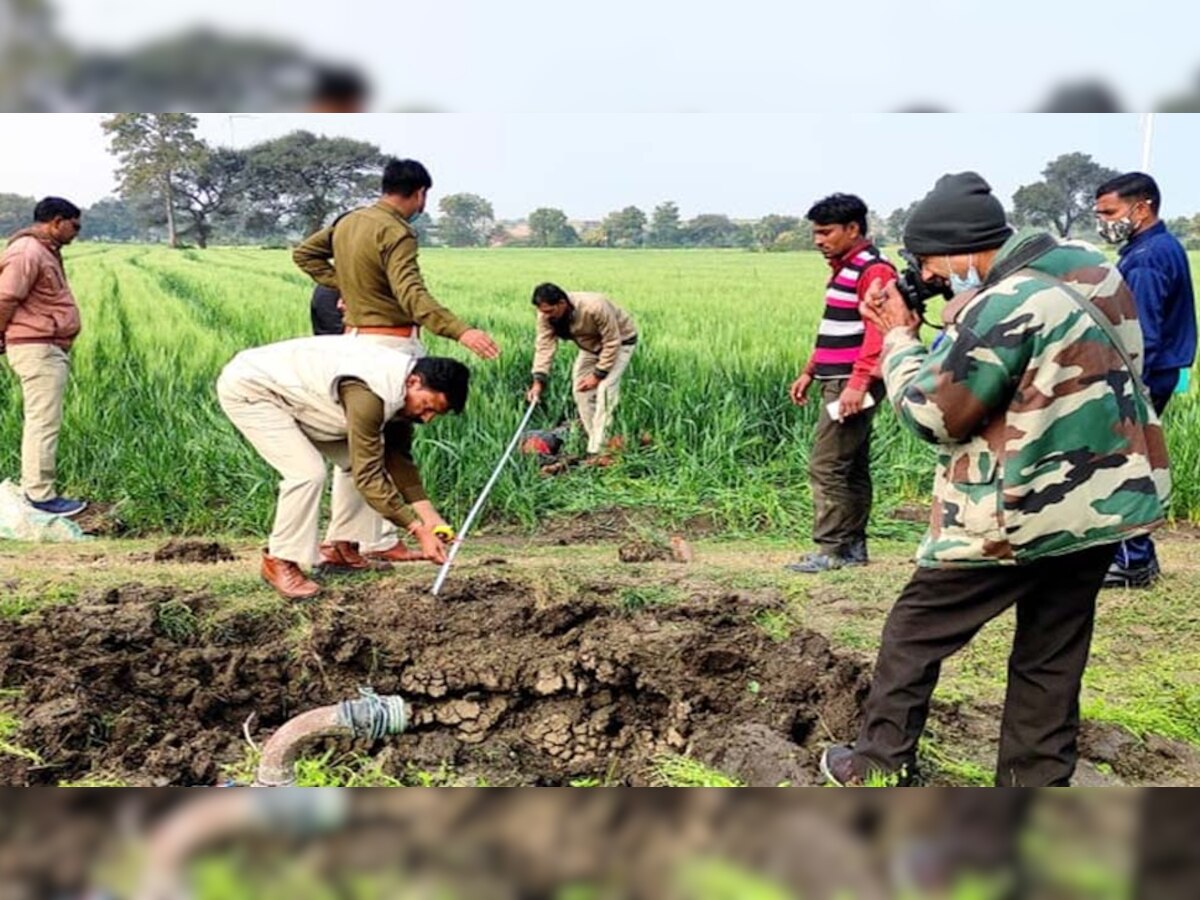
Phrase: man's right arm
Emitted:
{"points": [[314, 255], [945, 395], [1150, 290], [408, 287], [368, 462], [544, 348]]}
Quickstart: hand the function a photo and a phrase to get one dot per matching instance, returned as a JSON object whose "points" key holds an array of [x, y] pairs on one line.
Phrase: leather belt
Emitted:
{"points": [[392, 330]]}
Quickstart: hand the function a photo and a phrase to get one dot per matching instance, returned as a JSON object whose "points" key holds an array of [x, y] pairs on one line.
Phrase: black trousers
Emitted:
{"points": [[839, 472], [939, 611], [326, 317]]}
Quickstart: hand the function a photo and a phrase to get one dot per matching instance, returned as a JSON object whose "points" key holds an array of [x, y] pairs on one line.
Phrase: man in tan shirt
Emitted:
{"points": [[606, 336], [303, 401], [38, 323], [369, 256]]}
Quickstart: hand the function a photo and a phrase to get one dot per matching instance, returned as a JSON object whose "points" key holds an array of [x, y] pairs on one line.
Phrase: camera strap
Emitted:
{"points": [[1104, 324], [1030, 251]]}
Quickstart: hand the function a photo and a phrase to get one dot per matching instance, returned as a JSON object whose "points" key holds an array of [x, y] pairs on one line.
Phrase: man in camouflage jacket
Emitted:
{"points": [[1049, 453]]}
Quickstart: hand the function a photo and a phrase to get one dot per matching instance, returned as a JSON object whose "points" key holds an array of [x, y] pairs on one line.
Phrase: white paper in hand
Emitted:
{"points": [[835, 408]]}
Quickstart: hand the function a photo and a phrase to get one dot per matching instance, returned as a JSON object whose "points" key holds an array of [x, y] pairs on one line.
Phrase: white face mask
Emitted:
{"points": [[959, 284]]}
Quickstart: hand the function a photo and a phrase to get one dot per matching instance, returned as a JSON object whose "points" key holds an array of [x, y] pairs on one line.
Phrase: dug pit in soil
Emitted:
{"points": [[152, 685], [149, 686]]}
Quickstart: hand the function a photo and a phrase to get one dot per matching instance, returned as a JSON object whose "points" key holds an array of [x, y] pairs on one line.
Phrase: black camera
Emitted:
{"points": [[915, 290]]}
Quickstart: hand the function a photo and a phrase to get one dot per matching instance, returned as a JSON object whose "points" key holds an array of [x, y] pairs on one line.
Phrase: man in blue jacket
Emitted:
{"points": [[1155, 266]]}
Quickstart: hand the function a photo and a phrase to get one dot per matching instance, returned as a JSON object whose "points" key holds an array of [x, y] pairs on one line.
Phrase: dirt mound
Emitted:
{"points": [[101, 520], [152, 685], [140, 685], [185, 551], [1153, 760], [637, 550]]}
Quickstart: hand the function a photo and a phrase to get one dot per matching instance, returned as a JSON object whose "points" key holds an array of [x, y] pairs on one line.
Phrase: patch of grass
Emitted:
{"points": [[776, 623], [238, 615], [877, 779], [25, 600], [673, 770], [9, 726], [959, 772], [94, 781], [608, 780], [352, 770], [176, 620], [643, 596], [854, 636]]}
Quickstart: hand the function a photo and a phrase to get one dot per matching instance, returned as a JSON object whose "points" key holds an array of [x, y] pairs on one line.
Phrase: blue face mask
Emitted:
{"points": [[959, 284]]}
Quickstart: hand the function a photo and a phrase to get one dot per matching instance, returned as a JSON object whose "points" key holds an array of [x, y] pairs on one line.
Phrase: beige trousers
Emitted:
{"points": [[382, 535], [300, 461], [596, 407], [42, 370]]}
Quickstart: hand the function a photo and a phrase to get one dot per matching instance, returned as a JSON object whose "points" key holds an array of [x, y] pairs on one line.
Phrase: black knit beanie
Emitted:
{"points": [[960, 215]]}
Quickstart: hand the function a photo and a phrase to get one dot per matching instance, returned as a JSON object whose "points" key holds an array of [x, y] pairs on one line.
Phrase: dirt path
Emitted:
{"points": [[524, 672]]}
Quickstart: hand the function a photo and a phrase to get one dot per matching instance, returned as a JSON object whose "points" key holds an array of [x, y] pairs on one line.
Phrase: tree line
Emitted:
{"points": [[174, 187]]}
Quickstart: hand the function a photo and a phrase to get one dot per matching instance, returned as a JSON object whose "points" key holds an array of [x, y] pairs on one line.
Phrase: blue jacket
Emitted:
{"points": [[1155, 266]]}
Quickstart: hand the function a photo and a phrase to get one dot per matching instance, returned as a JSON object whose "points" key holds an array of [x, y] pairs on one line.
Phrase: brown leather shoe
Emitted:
{"points": [[343, 556], [396, 554], [285, 576]]}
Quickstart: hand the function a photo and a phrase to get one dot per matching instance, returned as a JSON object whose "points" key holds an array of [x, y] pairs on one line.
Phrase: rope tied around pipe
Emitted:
{"points": [[372, 716]]}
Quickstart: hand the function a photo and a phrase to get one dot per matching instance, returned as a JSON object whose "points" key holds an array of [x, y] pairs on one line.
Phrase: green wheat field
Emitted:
{"points": [[723, 335]]}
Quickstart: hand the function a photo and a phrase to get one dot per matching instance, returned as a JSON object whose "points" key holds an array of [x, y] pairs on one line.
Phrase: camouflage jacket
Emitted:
{"points": [[1046, 444]]}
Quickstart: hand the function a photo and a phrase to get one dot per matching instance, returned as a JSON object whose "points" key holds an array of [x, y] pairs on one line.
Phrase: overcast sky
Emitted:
{"points": [[700, 55], [588, 165]]}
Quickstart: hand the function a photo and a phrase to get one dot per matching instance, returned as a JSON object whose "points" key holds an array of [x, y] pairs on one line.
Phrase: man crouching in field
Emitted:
{"points": [[606, 337], [299, 402]]}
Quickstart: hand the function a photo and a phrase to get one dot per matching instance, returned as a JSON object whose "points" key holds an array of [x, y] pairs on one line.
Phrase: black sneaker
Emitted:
{"points": [[856, 551], [837, 766], [822, 562], [1130, 577]]}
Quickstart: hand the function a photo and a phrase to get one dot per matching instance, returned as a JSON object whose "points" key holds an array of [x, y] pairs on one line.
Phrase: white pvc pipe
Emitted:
{"points": [[1147, 134]]}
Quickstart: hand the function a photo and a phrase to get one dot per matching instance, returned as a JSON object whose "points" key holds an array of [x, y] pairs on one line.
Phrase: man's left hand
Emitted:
{"points": [[850, 403], [884, 308], [587, 383]]}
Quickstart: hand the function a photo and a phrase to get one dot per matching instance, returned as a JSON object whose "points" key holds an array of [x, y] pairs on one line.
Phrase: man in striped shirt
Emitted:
{"points": [[845, 363]]}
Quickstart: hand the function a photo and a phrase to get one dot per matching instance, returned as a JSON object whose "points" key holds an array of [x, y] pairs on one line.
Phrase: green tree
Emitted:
{"points": [[112, 219], [15, 212], [713, 230], [876, 227], [894, 225], [423, 225], [665, 228], [155, 151], [549, 227], [768, 228], [210, 192], [1065, 194], [467, 220], [625, 228], [799, 239], [306, 180]]}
